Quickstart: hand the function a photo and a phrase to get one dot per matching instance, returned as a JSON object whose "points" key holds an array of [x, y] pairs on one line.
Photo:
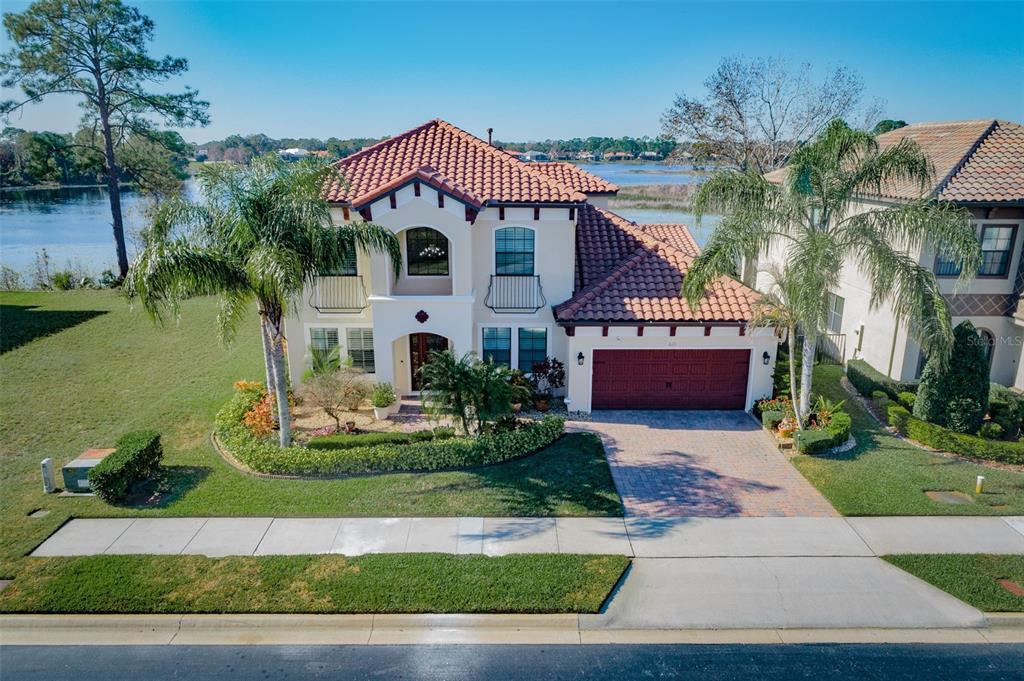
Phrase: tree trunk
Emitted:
{"points": [[806, 375], [791, 342], [113, 189], [268, 355], [284, 426]]}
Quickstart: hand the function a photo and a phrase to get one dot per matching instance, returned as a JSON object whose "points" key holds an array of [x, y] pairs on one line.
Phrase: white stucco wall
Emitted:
{"points": [[588, 339]]}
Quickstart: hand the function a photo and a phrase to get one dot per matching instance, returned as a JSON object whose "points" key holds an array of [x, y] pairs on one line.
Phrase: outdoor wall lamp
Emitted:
{"points": [[766, 358], [579, 359]]}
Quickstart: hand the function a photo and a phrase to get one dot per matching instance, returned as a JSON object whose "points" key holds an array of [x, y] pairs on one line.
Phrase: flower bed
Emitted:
{"points": [[946, 440], [829, 429], [263, 456]]}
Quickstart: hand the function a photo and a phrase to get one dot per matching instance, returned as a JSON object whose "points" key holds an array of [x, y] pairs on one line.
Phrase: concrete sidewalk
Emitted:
{"points": [[639, 537]]}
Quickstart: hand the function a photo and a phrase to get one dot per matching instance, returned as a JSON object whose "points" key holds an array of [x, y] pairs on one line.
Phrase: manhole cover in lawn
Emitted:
{"points": [[949, 497]]}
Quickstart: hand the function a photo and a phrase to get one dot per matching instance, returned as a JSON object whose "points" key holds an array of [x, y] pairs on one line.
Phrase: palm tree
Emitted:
{"points": [[264, 233], [808, 217], [777, 309]]}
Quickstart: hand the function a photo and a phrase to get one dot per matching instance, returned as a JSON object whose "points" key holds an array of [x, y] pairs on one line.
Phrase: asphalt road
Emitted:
{"points": [[501, 663]]}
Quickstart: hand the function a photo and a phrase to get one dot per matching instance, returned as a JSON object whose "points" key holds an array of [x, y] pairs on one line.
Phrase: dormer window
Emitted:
{"points": [[426, 252], [513, 251]]}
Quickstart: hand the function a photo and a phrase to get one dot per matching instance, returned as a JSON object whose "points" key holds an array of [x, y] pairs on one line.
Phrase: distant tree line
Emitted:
{"points": [[240, 149], [155, 162]]}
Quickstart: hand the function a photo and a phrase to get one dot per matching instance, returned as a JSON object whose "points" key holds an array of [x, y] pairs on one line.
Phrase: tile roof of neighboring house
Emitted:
{"points": [[975, 161], [439, 150], [634, 273], [571, 175]]}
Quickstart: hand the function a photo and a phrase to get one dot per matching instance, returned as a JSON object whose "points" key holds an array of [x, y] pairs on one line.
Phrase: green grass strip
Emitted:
{"points": [[381, 583], [973, 578]]}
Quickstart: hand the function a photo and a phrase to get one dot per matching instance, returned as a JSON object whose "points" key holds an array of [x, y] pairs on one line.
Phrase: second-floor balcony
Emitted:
{"points": [[515, 294], [339, 294]]}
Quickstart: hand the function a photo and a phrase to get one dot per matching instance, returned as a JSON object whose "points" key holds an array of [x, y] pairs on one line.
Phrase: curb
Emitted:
{"points": [[442, 629]]}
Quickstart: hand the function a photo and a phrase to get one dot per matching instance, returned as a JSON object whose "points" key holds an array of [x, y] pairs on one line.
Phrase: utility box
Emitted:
{"points": [[76, 472]]}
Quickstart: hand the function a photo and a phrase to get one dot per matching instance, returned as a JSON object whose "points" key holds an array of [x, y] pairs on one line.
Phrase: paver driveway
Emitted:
{"points": [[701, 463]]}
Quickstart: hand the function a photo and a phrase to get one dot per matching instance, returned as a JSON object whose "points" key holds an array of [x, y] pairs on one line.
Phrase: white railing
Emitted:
{"points": [[339, 294]]}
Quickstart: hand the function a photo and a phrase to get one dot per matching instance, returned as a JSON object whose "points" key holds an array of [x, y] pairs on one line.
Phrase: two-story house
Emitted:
{"points": [[519, 261], [979, 165]]}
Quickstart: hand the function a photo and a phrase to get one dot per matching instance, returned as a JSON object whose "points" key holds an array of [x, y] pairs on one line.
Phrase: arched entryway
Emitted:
{"points": [[420, 347]]}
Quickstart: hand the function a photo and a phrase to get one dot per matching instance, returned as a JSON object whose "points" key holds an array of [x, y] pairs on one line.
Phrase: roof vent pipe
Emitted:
{"points": [[489, 131]]}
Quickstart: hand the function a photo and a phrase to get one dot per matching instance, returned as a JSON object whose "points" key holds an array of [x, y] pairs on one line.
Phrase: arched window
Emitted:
{"points": [[426, 252], [513, 251], [989, 345]]}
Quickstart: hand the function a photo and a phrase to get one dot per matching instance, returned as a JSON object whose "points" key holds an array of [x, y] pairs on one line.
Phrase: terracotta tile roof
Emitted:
{"points": [[975, 161], [634, 273], [994, 172], [440, 150], [571, 175]]}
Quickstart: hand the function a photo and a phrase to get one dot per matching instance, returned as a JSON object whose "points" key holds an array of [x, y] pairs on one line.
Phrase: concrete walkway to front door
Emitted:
{"points": [[701, 463]]}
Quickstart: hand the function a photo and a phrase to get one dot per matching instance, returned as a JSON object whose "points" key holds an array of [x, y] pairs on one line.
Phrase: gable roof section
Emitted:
{"points": [[634, 273], [979, 161], [466, 164], [571, 175]]}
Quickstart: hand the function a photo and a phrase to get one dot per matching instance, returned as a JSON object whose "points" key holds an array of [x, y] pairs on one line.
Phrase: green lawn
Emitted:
{"points": [[395, 583], [81, 368], [970, 577], [885, 475]]}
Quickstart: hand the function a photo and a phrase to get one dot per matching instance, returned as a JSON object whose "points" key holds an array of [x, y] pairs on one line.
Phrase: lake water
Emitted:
{"points": [[73, 225]]}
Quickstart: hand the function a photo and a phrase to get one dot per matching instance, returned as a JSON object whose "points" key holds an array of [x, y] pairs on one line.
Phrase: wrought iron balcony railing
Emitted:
{"points": [[339, 294], [515, 294]]}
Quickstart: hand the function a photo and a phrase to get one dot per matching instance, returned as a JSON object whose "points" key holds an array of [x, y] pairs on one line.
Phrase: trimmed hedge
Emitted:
{"points": [[136, 458], [342, 441], [457, 452], [866, 379], [834, 434], [946, 440]]}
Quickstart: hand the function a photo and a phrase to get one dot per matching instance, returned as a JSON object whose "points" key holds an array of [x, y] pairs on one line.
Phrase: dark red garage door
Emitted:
{"points": [[670, 379]]}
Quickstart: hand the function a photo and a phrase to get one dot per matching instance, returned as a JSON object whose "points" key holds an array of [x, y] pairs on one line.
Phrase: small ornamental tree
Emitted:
{"points": [[957, 396]]}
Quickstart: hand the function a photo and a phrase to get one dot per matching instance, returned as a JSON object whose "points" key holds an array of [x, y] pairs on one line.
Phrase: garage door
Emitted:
{"points": [[670, 379]]}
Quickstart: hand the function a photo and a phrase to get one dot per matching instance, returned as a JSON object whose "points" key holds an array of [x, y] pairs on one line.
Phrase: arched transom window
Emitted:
{"points": [[513, 251], [426, 252]]}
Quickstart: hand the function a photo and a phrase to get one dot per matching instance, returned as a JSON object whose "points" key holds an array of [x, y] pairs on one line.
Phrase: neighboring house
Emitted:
{"points": [[979, 165], [618, 156], [650, 156], [516, 262], [294, 154], [585, 156], [534, 155]]}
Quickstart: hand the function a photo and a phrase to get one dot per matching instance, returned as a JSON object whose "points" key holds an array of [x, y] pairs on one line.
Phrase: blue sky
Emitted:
{"points": [[533, 71]]}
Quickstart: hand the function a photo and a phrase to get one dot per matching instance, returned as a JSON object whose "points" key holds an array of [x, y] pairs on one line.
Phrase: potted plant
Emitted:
{"points": [[383, 397], [787, 426], [521, 389], [548, 376]]}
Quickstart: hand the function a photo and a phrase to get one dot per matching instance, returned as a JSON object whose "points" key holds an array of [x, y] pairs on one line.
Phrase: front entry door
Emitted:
{"points": [[420, 347]]}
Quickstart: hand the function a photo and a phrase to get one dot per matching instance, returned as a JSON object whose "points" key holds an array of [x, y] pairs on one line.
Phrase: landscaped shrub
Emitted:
{"points": [[818, 440], [907, 399], [342, 441], [945, 440], [866, 379], [1007, 409], [879, 395], [990, 430], [781, 403], [136, 458], [443, 451], [965, 415], [956, 395], [771, 419]]}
